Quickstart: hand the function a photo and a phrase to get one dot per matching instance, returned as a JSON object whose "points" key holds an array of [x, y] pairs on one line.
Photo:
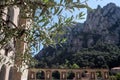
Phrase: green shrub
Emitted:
{"points": [[118, 76], [113, 78]]}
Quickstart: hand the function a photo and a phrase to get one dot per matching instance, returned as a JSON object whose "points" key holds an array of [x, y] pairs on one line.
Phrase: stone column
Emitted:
{"points": [[7, 72], [63, 75], [78, 75], [48, 75], [32, 75], [92, 75], [105, 75]]}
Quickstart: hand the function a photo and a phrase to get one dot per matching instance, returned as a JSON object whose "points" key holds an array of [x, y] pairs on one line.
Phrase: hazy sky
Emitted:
{"points": [[94, 3]]}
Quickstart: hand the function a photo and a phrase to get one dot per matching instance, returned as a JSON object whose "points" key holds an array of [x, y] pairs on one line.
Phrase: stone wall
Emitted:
{"points": [[8, 52], [91, 74]]}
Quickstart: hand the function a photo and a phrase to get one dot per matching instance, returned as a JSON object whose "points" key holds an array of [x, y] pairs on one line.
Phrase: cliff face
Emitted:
{"points": [[104, 22], [101, 26]]}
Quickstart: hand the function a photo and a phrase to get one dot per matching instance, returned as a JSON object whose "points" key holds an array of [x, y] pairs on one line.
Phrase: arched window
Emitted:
{"points": [[55, 75], [40, 75], [70, 75], [85, 75], [99, 75], [6, 52], [2, 72]]}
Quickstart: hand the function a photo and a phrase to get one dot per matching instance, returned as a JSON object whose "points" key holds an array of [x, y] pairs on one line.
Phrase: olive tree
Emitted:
{"points": [[47, 20]]}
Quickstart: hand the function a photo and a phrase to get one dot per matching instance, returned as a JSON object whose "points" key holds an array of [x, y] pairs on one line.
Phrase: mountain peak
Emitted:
{"points": [[102, 28], [110, 5], [102, 18]]}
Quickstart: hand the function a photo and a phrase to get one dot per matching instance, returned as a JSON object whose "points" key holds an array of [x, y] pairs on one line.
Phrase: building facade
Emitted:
{"points": [[8, 71]]}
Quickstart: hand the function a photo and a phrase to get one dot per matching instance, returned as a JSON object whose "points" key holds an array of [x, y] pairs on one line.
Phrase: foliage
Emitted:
{"points": [[42, 14], [118, 76], [113, 78], [47, 20], [99, 56], [93, 49], [74, 66]]}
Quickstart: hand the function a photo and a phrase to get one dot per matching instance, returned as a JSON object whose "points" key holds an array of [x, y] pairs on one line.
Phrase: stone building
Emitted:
{"points": [[115, 70], [8, 52]]}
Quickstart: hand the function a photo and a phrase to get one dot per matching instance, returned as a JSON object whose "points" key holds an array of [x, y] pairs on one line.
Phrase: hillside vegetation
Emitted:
{"points": [[92, 44]]}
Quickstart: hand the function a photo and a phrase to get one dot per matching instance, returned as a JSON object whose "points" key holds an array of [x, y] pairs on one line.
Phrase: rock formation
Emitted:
{"points": [[104, 22], [101, 26]]}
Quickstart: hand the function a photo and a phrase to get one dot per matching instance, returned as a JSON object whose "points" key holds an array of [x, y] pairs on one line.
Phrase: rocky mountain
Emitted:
{"points": [[101, 24], [104, 22], [98, 36]]}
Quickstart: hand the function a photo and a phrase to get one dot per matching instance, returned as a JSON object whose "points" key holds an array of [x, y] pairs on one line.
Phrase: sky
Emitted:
{"points": [[92, 4]]}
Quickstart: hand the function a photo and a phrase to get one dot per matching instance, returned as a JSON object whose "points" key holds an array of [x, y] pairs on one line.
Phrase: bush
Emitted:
{"points": [[113, 78], [118, 76]]}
